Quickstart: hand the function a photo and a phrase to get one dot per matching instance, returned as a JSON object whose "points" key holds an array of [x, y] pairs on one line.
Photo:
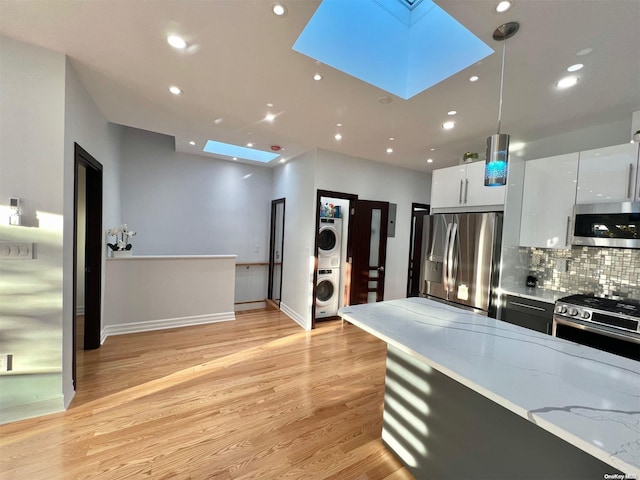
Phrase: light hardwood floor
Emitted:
{"points": [[257, 397]]}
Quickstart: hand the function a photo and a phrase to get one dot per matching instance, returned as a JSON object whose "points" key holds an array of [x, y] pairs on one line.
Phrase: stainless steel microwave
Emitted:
{"points": [[607, 225]]}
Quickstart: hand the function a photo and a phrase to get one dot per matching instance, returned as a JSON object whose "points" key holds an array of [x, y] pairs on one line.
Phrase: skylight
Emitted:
{"points": [[228, 150], [403, 49]]}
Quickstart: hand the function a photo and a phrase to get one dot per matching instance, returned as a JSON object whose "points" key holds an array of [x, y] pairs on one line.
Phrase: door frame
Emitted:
{"points": [[331, 194], [415, 247], [93, 250], [272, 239]]}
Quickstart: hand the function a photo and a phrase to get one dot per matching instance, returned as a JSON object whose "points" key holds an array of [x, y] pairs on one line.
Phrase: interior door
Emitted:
{"points": [[418, 214], [368, 251], [275, 250]]}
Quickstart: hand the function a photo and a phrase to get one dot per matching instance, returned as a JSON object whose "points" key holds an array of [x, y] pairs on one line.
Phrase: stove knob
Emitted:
{"points": [[561, 309], [573, 312], [585, 315]]}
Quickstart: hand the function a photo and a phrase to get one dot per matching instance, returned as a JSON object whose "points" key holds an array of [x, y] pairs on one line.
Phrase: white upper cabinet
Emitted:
{"points": [[608, 174], [547, 202], [463, 186]]}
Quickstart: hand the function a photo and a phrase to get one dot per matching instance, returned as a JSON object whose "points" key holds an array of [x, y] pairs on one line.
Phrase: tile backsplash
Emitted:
{"points": [[603, 272]]}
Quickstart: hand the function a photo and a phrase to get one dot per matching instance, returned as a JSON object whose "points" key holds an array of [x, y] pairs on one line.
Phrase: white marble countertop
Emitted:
{"points": [[585, 396]]}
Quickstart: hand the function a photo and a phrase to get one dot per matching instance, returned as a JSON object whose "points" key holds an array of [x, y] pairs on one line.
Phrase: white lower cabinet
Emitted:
{"points": [[463, 186], [547, 202], [608, 174]]}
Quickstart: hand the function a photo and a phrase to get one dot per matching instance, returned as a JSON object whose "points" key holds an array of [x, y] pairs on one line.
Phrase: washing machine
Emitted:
{"points": [[327, 292], [329, 242]]}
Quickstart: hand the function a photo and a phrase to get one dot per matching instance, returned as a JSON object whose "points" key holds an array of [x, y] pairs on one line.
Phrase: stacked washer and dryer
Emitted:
{"points": [[329, 252]]}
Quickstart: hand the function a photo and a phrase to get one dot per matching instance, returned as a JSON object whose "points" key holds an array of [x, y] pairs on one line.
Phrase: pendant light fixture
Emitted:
{"points": [[495, 172]]}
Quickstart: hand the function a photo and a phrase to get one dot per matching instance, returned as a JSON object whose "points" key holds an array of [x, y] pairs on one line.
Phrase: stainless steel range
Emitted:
{"points": [[603, 323]]}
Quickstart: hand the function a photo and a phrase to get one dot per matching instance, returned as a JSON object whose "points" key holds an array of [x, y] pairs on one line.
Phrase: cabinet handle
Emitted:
{"points": [[630, 187], [466, 190], [460, 196], [532, 307], [566, 237]]}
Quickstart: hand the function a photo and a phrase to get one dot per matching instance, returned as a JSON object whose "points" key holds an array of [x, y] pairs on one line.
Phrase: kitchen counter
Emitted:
{"points": [[586, 397]]}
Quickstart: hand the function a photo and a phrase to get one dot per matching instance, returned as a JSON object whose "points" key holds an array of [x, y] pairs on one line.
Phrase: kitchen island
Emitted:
{"points": [[468, 396]]}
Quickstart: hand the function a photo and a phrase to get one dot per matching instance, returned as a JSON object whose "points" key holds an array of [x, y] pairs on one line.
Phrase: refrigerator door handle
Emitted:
{"points": [[451, 251], [445, 265]]}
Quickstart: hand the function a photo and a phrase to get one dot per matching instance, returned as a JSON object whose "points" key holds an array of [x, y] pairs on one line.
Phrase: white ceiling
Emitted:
{"points": [[240, 58]]}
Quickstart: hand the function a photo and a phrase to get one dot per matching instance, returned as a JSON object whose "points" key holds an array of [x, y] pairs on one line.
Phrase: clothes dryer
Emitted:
{"points": [[329, 242], [327, 292]]}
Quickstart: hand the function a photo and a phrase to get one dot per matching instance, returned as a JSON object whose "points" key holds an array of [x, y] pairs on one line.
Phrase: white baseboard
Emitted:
{"points": [[164, 324], [31, 410], [295, 316]]}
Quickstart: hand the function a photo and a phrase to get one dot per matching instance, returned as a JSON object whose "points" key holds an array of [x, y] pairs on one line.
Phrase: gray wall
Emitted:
{"points": [[182, 204]]}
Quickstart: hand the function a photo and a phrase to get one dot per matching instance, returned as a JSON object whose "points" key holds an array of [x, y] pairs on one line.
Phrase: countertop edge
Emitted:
{"points": [[175, 257]]}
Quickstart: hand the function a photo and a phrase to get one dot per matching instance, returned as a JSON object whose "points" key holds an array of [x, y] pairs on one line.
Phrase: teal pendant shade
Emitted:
{"points": [[497, 163], [497, 160]]}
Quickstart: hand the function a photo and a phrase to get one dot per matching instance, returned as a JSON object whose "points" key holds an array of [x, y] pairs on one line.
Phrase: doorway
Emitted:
{"points": [[362, 261], [87, 251], [419, 211], [276, 249]]}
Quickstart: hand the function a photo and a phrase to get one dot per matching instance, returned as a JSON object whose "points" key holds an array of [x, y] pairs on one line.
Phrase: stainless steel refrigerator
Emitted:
{"points": [[460, 259]]}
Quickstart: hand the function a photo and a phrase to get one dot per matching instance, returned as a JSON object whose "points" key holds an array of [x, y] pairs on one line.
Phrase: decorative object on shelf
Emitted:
{"points": [[469, 157], [636, 137], [122, 246], [495, 173]]}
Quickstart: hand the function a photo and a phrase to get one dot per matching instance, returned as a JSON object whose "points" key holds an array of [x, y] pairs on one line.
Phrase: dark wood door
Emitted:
{"points": [[368, 251], [92, 195], [418, 213]]}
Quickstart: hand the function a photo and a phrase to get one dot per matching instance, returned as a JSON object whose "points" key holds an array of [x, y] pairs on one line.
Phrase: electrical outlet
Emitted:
{"points": [[6, 362], [16, 251], [562, 265]]}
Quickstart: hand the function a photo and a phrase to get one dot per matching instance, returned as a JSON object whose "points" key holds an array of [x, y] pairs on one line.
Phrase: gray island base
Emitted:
{"points": [[469, 397]]}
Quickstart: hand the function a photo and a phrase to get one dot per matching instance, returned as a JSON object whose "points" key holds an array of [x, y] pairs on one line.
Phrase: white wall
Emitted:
{"points": [[31, 167], [86, 126], [378, 181], [183, 204], [298, 182], [294, 181], [613, 133]]}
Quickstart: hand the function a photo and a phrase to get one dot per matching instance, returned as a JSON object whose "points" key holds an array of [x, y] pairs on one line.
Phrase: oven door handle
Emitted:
{"points": [[602, 330]]}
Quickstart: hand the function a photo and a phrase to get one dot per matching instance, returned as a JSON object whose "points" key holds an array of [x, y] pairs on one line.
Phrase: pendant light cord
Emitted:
{"points": [[504, 51]]}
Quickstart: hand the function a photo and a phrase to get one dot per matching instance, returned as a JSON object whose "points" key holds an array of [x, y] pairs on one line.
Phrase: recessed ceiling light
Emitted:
{"points": [[392, 138], [176, 42], [575, 68], [279, 9], [432, 149], [337, 136], [389, 150], [503, 6], [317, 77], [249, 144], [429, 160], [192, 142], [474, 78], [567, 82], [270, 105], [338, 124], [448, 125], [451, 112], [218, 120], [270, 117], [175, 90], [584, 51]]}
